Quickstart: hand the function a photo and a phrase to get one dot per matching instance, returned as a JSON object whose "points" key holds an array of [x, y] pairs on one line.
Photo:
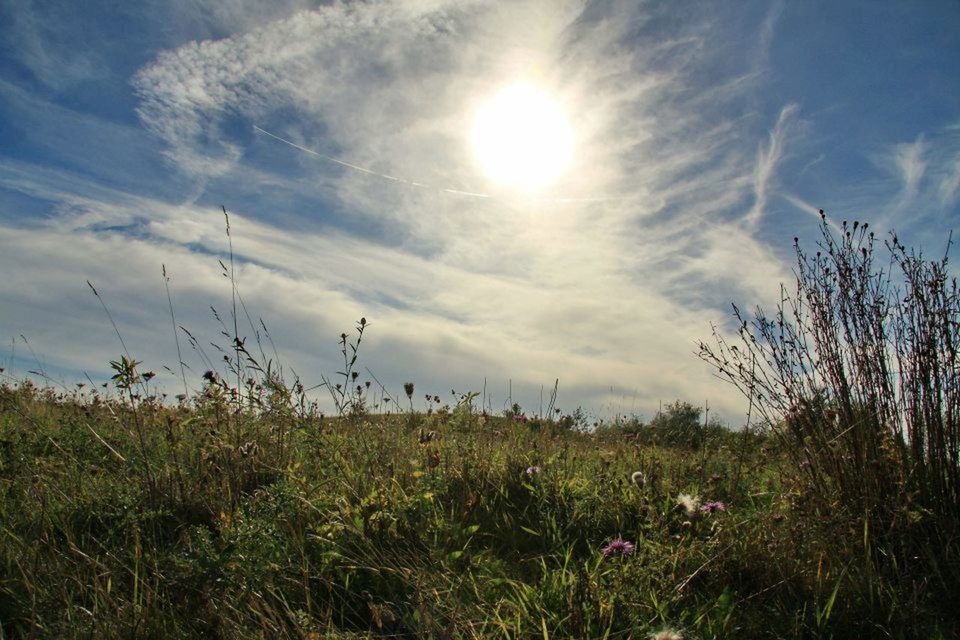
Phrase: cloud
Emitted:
{"points": [[606, 282], [455, 332], [767, 161], [35, 37], [927, 173], [950, 184], [911, 164]]}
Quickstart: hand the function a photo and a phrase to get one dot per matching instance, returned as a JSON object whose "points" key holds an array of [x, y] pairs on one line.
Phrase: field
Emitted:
{"points": [[238, 511], [126, 518]]}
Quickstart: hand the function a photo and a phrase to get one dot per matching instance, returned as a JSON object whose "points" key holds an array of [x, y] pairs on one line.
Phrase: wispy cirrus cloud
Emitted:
{"points": [[606, 281], [909, 158], [767, 160]]}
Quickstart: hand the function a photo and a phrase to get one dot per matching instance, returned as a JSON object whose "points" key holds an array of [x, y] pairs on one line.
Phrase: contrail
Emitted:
{"points": [[371, 172], [414, 183]]}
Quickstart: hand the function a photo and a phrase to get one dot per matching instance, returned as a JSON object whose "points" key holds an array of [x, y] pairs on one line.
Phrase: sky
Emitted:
{"points": [[341, 138]]}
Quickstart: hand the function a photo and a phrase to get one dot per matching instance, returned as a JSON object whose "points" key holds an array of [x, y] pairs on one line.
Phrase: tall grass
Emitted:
{"points": [[857, 371]]}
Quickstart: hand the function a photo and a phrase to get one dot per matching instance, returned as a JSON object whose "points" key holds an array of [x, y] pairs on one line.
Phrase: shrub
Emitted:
{"points": [[857, 373], [679, 424]]}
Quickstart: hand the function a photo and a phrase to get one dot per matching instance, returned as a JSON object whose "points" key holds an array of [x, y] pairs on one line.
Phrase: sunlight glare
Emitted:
{"points": [[522, 138]]}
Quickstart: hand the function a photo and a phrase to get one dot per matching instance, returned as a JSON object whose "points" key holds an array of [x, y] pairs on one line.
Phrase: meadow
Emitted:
{"points": [[239, 511]]}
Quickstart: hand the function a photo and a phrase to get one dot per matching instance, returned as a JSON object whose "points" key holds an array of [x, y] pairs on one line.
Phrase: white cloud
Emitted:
{"points": [[927, 172], [609, 288], [950, 184], [36, 37], [767, 161], [912, 165]]}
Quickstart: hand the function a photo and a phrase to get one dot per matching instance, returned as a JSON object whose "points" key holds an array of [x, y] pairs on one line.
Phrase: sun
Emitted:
{"points": [[521, 138]]}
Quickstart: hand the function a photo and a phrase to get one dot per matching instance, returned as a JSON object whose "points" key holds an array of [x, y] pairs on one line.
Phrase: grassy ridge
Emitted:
{"points": [[125, 518]]}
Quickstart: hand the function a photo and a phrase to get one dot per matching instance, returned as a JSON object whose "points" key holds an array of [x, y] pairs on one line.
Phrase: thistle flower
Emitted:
{"points": [[667, 634], [690, 504], [408, 389], [533, 470], [713, 505], [638, 478], [618, 547]]}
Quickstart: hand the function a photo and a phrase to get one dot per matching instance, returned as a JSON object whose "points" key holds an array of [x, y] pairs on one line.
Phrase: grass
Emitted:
{"points": [[218, 523], [241, 512]]}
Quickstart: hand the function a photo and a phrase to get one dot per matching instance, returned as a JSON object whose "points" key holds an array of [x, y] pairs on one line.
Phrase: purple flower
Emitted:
{"points": [[533, 470], [713, 505], [519, 417], [618, 546]]}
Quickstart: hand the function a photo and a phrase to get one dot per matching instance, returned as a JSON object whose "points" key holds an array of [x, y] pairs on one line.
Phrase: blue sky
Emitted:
{"points": [[707, 134]]}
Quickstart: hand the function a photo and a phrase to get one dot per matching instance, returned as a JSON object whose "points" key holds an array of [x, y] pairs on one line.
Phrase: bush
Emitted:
{"points": [[857, 373], [679, 424]]}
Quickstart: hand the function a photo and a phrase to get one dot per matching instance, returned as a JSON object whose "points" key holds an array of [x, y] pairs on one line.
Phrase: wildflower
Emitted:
{"points": [[713, 505], [618, 546], [533, 470], [667, 634], [519, 417], [408, 389], [638, 478], [690, 504]]}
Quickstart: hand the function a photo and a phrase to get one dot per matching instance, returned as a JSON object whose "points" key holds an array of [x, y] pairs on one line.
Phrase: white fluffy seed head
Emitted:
{"points": [[638, 478], [690, 504]]}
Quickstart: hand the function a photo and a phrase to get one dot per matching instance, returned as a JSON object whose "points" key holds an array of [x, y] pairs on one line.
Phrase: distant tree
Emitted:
{"points": [[679, 424]]}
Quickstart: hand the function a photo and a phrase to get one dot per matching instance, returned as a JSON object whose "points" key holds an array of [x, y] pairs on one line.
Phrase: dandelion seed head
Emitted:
{"points": [[690, 504]]}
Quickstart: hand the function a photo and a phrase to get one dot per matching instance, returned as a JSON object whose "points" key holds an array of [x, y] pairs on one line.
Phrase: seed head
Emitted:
{"points": [[690, 504]]}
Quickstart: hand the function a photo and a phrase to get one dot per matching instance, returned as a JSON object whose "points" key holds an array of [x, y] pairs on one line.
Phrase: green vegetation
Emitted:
{"points": [[240, 512]]}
